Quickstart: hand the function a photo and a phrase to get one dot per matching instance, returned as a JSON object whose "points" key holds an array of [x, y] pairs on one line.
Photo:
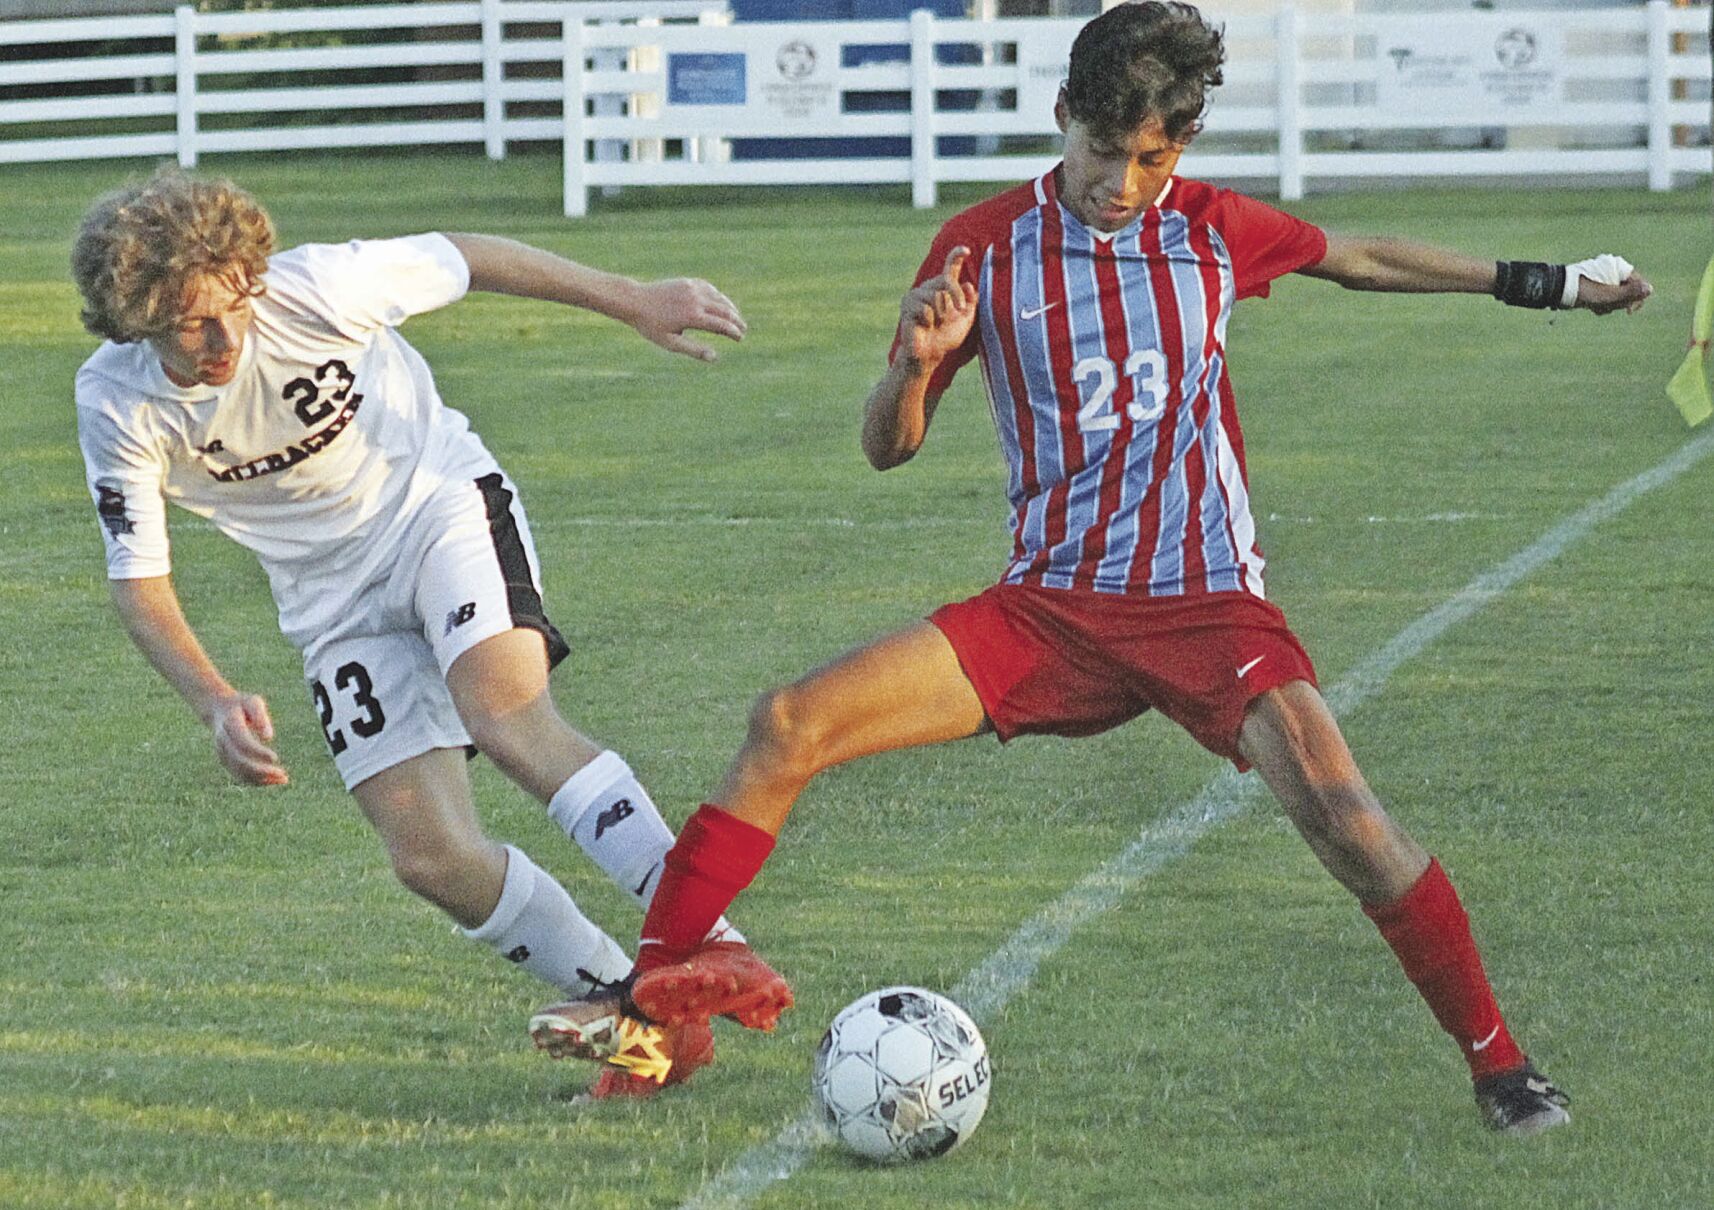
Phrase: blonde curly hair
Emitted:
{"points": [[139, 247]]}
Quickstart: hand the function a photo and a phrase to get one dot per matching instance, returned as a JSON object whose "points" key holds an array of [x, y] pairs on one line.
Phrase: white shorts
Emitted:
{"points": [[466, 571]]}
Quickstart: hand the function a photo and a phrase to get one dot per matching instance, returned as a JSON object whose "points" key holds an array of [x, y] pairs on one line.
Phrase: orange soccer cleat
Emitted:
{"points": [[642, 1058], [690, 1048], [721, 979]]}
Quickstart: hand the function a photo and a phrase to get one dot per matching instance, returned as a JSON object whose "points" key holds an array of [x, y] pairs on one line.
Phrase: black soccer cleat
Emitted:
{"points": [[1521, 1102]]}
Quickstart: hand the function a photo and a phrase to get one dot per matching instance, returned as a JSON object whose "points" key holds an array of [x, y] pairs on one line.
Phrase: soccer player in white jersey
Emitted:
{"points": [[272, 394], [1097, 298]]}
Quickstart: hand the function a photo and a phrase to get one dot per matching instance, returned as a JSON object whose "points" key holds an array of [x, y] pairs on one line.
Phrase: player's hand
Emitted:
{"points": [[242, 735], [936, 317], [1605, 283], [1602, 298], [672, 307]]}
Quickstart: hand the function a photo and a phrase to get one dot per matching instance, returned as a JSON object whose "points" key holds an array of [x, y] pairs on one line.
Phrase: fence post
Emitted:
{"points": [[493, 77], [1660, 97], [576, 191], [922, 109], [1289, 97], [710, 149], [609, 105], [184, 87]]}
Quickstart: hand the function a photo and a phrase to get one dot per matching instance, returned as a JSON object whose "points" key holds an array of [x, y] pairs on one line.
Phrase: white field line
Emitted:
{"points": [[1009, 969]]}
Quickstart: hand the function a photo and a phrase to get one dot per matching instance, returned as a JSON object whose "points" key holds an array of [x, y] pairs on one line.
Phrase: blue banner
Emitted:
{"points": [[705, 79]]}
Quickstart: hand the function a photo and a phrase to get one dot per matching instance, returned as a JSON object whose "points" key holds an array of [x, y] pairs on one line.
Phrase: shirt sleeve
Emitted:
{"points": [[1264, 243], [368, 284], [125, 473], [950, 237]]}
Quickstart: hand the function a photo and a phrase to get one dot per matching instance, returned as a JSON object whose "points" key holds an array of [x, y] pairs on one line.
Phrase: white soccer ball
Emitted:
{"points": [[902, 1074]]}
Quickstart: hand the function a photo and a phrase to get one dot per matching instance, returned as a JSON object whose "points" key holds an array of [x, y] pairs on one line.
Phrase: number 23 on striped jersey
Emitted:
{"points": [[1147, 367]]}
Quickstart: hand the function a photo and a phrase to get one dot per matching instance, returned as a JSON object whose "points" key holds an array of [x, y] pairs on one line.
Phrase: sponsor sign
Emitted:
{"points": [[1042, 59], [1479, 69], [795, 82], [706, 79]]}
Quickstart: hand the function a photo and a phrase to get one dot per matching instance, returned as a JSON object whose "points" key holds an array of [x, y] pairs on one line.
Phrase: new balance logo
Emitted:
{"points": [[213, 447], [458, 617], [521, 954], [618, 813], [1033, 312]]}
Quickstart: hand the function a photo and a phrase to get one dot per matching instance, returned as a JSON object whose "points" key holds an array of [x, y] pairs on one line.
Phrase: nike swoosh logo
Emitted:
{"points": [[1250, 665], [1032, 312], [1483, 1044], [643, 885]]}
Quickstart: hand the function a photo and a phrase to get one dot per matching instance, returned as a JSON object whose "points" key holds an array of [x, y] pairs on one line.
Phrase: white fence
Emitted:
{"points": [[1560, 93], [305, 78], [670, 92]]}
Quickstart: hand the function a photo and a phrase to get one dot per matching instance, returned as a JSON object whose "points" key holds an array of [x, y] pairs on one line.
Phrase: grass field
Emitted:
{"points": [[218, 997]]}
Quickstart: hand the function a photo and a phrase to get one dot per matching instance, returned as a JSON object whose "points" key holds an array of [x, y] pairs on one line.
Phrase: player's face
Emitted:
{"points": [[1106, 182], [204, 346]]}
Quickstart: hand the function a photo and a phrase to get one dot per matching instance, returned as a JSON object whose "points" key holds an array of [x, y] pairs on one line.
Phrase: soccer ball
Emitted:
{"points": [[902, 1074]]}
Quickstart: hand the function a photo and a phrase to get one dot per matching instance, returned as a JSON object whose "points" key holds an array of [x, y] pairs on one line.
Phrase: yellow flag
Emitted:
{"points": [[1688, 388]]}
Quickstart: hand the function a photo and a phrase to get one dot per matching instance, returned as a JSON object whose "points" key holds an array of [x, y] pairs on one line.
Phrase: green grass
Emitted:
{"points": [[217, 997]]}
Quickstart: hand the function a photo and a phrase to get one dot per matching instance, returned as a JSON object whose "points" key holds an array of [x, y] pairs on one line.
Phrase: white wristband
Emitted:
{"points": [[1607, 269]]}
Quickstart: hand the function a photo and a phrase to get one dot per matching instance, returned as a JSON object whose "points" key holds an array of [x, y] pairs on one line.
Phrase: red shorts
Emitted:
{"points": [[1067, 662]]}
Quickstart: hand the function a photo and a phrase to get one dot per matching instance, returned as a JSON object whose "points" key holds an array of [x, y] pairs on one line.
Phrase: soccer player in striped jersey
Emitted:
{"points": [[271, 393], [1095, 300]]}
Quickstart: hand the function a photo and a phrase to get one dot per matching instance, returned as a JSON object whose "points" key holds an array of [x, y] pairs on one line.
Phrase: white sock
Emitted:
{"points": [[537, 926], [604, 808]]}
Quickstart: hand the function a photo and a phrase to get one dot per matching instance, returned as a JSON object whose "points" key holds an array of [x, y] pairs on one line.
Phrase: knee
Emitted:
{"points": [[785, 734], [1347, 819], [435, 869], [1353, 820]]}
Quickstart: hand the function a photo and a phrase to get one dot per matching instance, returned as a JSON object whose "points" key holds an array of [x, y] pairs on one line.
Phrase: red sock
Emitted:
{"points": [[1430, 933], [717, 855]]}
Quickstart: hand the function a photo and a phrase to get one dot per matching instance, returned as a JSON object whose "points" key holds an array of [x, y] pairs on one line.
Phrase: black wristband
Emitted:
{"points": [[1529, 283]]}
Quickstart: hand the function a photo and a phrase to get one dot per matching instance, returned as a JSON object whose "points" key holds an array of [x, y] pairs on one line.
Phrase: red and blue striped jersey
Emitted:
{"points": [[1105, 365]]}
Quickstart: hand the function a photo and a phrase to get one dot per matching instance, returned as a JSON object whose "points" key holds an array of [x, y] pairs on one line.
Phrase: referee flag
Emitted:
{"points": [[1689, 386]]}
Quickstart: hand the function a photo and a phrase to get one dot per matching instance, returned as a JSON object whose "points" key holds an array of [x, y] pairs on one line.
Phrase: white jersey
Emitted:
{"points": [[316, 454]]}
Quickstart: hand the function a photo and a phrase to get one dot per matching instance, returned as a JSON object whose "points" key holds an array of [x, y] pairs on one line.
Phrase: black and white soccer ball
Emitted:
{"points": [[902, 1074]]}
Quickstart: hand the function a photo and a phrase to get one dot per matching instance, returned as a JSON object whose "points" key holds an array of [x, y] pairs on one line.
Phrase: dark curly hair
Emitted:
{"points": [[1141, 61], [140, 246]]}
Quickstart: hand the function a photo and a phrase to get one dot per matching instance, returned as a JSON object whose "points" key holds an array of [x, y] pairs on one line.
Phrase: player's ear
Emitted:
{"points": [[1061, 114]]}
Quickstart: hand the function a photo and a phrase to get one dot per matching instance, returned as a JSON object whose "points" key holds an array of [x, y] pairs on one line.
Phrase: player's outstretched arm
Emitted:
{"points": [[934, 319], [239, 721], [660, 311], [1600, 284]]}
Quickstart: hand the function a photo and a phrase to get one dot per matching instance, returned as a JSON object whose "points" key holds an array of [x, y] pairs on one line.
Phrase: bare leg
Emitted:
{"points": [[903, 690], [1293, 741], [500, 687], [422, 810]]}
